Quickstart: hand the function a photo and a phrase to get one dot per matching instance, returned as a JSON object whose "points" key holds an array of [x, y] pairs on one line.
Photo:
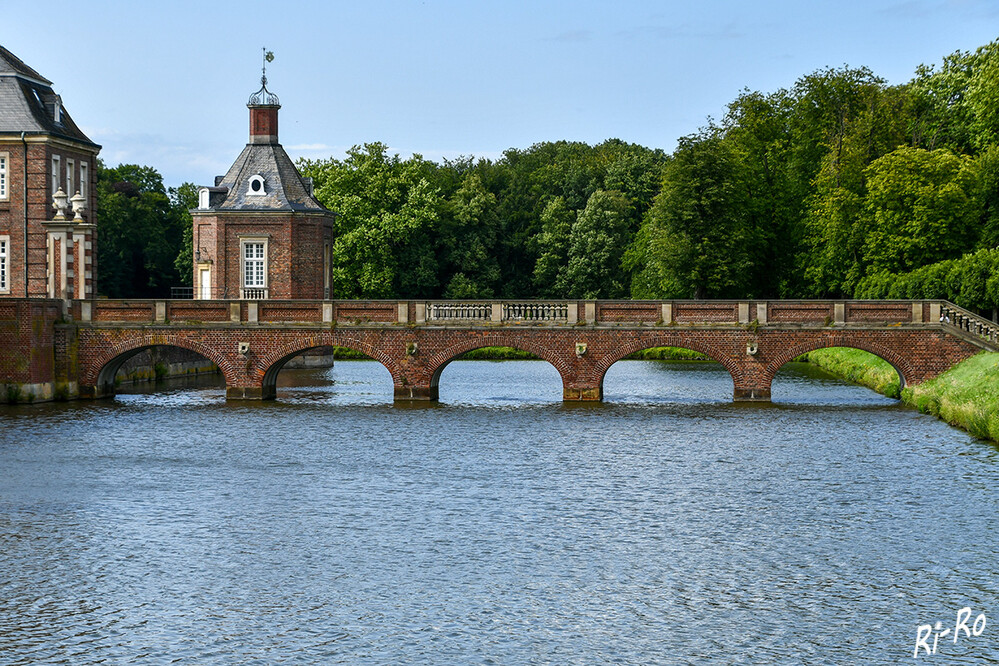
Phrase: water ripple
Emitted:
{"points": [[667, 525]]}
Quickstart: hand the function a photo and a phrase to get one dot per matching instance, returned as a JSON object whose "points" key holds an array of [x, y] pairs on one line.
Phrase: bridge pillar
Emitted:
{"points": [[582, 394], [756, 394], [406, 392], [249, 393]]}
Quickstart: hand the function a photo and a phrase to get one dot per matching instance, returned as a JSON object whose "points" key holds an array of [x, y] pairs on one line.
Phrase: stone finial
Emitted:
{"points": [[79, 203], [59, 200]]}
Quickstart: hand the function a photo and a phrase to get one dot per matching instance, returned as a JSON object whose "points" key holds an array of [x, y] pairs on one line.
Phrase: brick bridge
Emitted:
{"points": [[66, 349]]}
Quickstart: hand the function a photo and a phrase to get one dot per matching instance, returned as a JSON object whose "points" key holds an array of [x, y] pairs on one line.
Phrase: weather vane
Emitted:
{"points": [[268, 57]]}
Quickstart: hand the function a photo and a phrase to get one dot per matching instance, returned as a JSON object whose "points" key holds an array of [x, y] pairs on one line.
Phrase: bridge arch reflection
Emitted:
{"points": [[106, 368], [274, 362]]}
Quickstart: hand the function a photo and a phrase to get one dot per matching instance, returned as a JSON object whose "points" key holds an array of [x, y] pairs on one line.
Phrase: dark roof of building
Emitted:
{"points": [[11, 64], [284, 189], [28, 103]]}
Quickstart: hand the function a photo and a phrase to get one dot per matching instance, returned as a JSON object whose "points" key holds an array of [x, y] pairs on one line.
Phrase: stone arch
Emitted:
{"points": [[440, 360], [665, 340], [101, 373], [885, 353], [272, 364]]}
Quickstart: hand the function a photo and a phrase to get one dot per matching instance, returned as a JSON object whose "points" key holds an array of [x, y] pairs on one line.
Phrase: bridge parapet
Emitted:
{"points": [[475, 313], [984, 330]]}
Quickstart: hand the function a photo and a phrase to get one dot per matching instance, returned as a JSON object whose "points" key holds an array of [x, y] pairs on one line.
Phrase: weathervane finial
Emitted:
{"points": [[268, 57]]}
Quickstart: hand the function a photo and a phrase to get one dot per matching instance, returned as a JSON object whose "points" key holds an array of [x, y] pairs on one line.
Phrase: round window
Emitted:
{"points": [[256, 185]]}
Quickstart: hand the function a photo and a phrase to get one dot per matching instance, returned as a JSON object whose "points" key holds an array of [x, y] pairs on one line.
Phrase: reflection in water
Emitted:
{"points": [[667, 525]]}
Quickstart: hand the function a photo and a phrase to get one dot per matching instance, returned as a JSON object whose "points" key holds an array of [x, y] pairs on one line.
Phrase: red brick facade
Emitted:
{"points": [[48, 254], [263, 204], [296, 248], [42, 262]]}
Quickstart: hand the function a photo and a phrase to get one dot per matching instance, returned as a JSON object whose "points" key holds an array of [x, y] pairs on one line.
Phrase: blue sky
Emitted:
{"points": [[165, 83]]}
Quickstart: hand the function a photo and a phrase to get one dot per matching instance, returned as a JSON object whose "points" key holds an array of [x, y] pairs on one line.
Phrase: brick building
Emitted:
{"points": [[47, 191], [259, 233]]}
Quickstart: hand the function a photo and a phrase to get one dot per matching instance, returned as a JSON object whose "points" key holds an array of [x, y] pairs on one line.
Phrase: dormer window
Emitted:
{"points": [[203, 198], [256, 186]]}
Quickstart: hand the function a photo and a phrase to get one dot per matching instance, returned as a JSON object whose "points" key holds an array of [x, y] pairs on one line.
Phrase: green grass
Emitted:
{"points": [[967, 395], [667, 354], [856, 366], [510, 353], [345, 353], [497, 354]]}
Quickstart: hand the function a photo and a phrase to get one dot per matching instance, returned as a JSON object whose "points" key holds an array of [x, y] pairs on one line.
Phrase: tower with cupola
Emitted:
{"points": [[259, 233]]}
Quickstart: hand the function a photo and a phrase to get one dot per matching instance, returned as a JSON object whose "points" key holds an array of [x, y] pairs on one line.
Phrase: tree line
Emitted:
{"points": [[839, 186]]}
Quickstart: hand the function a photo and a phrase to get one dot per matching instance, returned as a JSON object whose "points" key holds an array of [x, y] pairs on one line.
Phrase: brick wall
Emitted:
{"points": [[295, 244], [39, 210]]}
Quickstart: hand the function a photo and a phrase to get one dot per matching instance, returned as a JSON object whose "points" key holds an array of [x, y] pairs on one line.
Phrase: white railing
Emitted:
{"points": [[459, 311], [952, 315], [253, 294], [523, 311], [535, 311]]}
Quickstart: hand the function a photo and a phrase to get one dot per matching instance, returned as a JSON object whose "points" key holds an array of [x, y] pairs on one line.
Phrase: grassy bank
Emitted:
{"points": [[856, 366], [667, 354], [966, 396], [654, 354], [346, 353]]}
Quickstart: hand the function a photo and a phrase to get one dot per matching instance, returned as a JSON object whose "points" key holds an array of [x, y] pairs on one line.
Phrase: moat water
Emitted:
{"points": [[667, 525]]}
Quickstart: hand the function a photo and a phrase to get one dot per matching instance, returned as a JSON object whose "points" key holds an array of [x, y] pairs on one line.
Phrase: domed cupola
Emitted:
{"points": [[264, 107]]}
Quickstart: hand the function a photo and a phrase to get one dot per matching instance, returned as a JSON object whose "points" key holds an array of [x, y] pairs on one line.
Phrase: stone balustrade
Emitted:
{"points": [[951, 315]]}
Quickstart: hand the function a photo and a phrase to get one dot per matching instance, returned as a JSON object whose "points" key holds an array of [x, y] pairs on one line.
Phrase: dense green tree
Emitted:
{"points": [[697, 237], [389, 215], [597, 242], [183, 199], [140, 233], [468, 236], [757, 127], [922, 208], [553, 249]]}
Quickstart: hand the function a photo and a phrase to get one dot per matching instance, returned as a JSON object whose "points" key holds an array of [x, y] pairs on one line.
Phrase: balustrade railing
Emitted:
{"points": [[525, 311], [951, 315], [535, 312], [253, 294], [459, 311]]}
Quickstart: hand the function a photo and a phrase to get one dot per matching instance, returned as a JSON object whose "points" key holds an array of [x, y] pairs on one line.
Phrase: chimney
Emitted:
{"points": [[264, 123], [263, 107]]}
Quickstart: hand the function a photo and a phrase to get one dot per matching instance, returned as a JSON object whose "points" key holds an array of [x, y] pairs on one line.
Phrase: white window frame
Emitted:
{"points": [[4, 179], [256, 193], [69, 178], [55, 174], [83, 180], [4, 264], [258, 281]]}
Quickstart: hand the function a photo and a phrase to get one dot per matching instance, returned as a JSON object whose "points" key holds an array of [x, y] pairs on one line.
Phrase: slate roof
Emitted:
{"points": [[27, 103], [284, 187]]}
